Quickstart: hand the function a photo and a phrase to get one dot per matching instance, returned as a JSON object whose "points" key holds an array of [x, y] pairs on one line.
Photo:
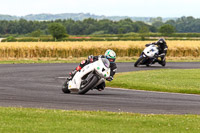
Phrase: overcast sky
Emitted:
{"points": [[138, 8]]}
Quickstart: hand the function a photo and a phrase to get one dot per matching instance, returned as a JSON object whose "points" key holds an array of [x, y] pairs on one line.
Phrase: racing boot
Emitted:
{"points": [[71, 74], [74, 72], [101, 86]]}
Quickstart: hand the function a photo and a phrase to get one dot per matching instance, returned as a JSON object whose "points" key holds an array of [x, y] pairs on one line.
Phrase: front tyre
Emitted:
{"points": [[138, 62], [88, 85], [65, 87]]}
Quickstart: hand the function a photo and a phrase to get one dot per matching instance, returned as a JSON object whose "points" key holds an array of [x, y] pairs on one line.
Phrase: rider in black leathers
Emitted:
{"points": [[162, 47], [110, 55]]}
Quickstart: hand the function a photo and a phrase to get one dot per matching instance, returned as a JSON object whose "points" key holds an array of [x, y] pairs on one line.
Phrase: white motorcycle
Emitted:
{"points": [[149, 56], [89, 77]]}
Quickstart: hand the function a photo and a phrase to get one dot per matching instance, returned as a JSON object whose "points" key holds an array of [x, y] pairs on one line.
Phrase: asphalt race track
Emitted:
{"points": [[39, 86]]}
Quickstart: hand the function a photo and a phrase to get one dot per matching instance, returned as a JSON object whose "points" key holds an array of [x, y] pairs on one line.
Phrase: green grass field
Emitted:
{"points": [[22, 120], [165, 80]]}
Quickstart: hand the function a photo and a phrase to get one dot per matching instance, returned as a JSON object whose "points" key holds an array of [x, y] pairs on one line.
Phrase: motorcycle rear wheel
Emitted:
{"points": [[163, 63], [65, 87]]}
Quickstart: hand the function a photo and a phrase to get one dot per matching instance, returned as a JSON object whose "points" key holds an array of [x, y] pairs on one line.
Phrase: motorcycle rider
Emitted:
{"points": [[110, 55], [162, 47]]}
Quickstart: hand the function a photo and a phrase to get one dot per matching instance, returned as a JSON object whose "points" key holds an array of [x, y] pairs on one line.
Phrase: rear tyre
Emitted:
{"points": [[138, 62], [88, 85], [65, 87], [163, 63]]}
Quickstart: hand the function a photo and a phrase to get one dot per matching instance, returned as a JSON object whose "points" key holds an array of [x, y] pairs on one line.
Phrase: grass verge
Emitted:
{"points": [[78, 60], [40, 60], [43, 120], [165, 80]]}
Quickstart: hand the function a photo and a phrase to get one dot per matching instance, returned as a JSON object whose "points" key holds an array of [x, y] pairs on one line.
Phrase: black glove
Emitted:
{"points": [[147, 45], [150, 44], [109, 78], [90, 58]]}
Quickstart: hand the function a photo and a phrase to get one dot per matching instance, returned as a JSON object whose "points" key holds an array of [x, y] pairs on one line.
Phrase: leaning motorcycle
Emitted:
{"points": [[149, 56], [89, 77]]}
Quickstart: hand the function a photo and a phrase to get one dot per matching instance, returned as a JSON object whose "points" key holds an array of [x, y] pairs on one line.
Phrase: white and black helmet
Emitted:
{"points": [[161, 41], [110, 55]]}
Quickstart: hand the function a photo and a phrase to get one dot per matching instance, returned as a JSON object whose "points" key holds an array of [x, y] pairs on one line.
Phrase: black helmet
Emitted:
{"points": [[161, 41]]}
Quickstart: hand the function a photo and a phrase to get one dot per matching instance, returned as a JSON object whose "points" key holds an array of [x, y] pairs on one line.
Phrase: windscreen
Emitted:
{"points": [[106, 62]]}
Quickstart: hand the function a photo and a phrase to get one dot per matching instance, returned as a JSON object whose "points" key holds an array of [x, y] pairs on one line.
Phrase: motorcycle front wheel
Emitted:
{"points": [[88, 85], [138, 62]]}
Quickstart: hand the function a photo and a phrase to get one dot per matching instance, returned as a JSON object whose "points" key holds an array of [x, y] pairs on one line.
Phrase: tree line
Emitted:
{"points": [[105, 26]]}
